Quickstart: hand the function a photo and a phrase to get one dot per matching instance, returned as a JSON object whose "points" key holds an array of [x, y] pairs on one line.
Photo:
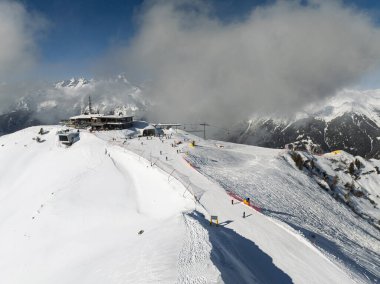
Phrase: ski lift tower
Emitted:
{"points": [[204, 129], [198, 130]]}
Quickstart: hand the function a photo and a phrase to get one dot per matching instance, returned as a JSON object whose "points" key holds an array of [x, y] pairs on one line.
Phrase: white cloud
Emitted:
{"points": [[18, 32], [279, 58]]}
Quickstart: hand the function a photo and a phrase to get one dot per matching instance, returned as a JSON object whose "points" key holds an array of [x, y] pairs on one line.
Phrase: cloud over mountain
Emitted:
{"points": [[280, 57]]}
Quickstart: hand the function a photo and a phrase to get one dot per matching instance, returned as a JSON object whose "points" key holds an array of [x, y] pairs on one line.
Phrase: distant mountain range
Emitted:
{"points": [[49, 104], [349, 121]]}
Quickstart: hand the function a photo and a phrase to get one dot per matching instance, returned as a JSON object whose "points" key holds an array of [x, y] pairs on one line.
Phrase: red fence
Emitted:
{"points": [[241, 199]]}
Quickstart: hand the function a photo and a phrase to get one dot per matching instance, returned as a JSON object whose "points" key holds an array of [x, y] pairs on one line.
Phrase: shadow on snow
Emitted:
{"points": [[238, 259]]}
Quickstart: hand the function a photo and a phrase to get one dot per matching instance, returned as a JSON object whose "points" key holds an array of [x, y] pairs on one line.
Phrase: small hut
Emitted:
{"points": [[149, 131]]}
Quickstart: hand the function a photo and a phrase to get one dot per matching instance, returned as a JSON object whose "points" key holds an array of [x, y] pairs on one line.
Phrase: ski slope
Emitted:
{"points": [[73, 215], [270, 178]]}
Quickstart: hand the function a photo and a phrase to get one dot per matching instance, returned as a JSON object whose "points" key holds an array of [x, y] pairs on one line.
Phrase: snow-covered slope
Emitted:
{"points": [[72, 215], [274, 183]]}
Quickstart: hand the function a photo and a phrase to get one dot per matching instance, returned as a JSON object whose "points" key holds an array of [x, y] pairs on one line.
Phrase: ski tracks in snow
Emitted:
{"points": [[194, 264]]}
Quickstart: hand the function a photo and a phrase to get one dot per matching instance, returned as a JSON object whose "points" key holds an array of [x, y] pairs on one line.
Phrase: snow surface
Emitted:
{"points": [[72, 215], [289, 195]]}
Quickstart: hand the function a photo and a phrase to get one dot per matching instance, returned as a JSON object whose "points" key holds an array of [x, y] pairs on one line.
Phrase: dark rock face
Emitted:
{"points": [[352, 132], [16, 120]]}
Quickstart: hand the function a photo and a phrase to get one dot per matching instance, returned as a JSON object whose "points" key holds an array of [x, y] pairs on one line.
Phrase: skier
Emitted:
{"points": [[243, 214], [232, 201]]}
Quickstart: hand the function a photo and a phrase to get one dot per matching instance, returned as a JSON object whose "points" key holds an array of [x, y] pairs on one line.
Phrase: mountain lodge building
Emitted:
{"points": [[100, 121]]}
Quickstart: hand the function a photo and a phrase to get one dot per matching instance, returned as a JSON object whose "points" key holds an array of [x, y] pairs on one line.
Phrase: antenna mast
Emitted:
{"points": [[89, 105]]}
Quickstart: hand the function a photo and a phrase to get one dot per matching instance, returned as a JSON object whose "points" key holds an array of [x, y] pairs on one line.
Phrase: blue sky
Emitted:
{"points": [[82, 31]]}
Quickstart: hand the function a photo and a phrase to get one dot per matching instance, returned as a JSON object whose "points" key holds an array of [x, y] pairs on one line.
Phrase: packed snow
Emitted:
{"points": [[114, 210]]}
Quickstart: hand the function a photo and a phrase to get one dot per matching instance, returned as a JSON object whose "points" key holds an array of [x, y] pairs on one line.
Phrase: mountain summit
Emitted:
{"points": [[72, 83]]}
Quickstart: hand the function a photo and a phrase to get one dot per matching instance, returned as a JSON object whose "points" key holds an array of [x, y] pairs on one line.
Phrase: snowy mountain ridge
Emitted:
{"points": [[73, 83], [366, 102], [349, 121]]}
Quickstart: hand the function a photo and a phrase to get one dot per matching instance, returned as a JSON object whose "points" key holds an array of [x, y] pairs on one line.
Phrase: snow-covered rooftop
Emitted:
{"points": [[149, 127], [90, 116], [87, 116]]}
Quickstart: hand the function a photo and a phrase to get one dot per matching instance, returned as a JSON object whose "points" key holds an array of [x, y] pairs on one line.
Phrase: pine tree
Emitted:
{"points": [[351, 168]]}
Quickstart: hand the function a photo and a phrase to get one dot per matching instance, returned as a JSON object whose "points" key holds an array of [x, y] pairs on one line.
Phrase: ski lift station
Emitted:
{"points": [[157, 129], [150, 130], [68, 137]]}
